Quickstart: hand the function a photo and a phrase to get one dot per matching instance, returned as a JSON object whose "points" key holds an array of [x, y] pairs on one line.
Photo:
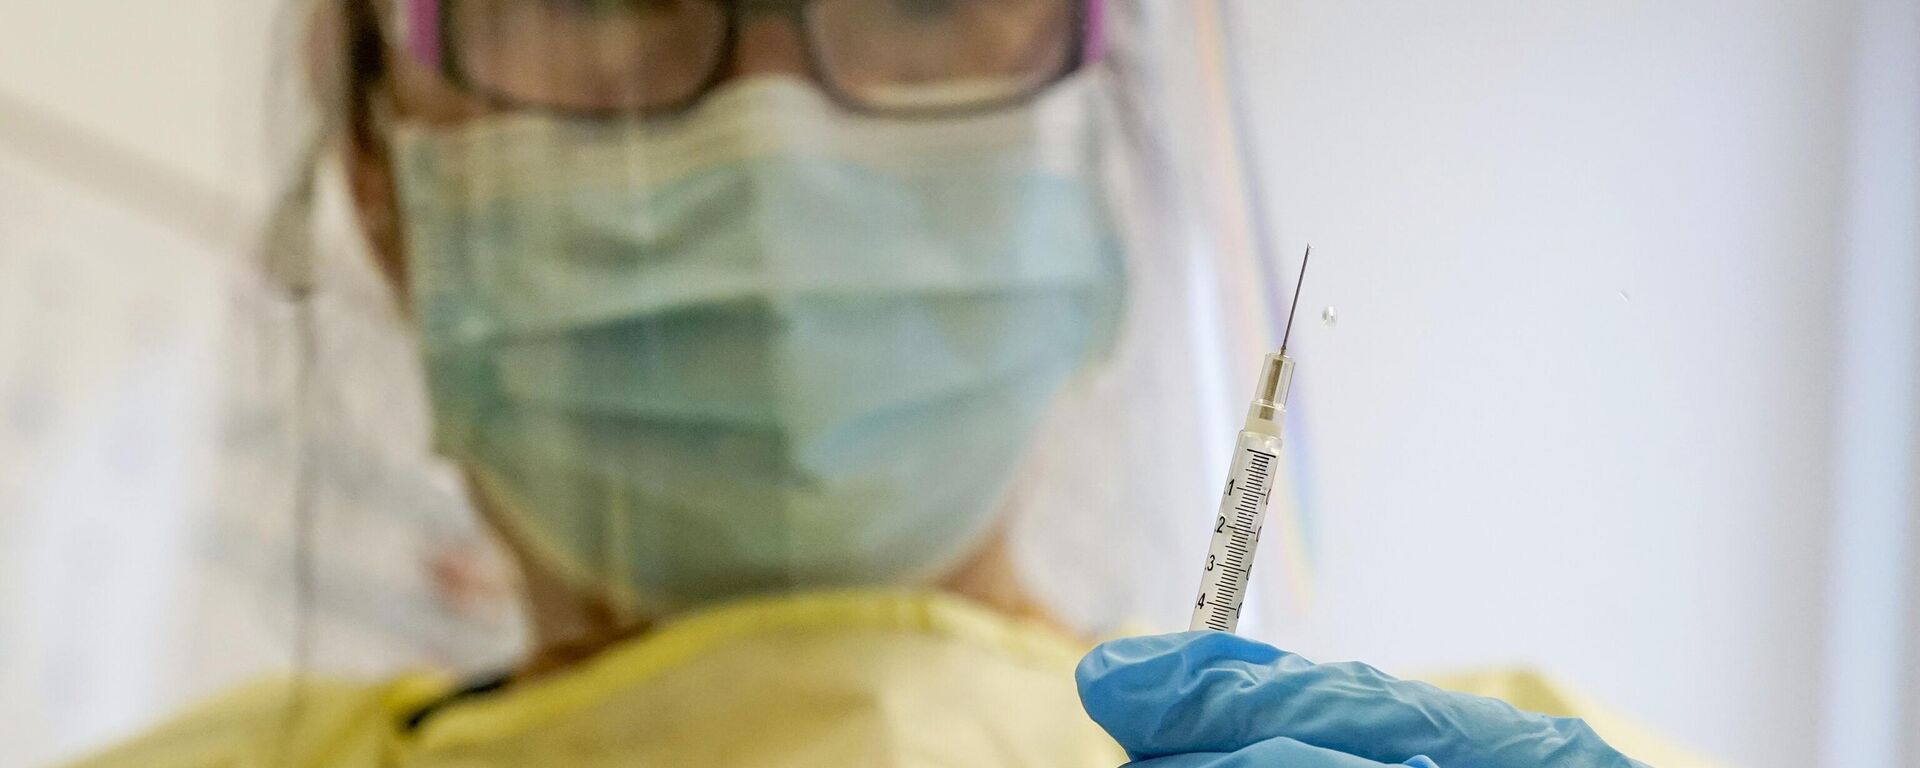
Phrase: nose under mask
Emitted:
{"points": [[768, 346]]}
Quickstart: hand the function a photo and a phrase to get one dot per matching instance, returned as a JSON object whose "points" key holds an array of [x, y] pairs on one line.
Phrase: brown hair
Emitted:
{"points": [[345, 63], [364, 70]]}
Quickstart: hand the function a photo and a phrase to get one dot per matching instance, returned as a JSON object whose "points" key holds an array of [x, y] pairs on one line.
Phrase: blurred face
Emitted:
{"points": [[449, 62], [797, 339]]}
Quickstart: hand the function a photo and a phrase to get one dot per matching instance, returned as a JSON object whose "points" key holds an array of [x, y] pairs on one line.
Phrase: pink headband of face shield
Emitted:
{"points": [[423, 31]]}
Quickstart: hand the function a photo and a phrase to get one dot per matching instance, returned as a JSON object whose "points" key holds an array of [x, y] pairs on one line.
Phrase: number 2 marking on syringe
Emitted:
{"points": [[1235, 557]]}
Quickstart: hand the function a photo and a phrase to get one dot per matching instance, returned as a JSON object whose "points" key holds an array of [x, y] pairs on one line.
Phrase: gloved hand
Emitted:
{"points": [[1215, 700]]}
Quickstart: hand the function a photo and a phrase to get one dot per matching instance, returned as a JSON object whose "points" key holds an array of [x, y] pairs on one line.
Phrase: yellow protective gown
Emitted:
{"points": [[880, 679]]}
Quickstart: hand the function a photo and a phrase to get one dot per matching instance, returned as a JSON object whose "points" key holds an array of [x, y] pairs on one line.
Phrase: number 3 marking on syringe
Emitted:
{"points": [[1236, 551]]}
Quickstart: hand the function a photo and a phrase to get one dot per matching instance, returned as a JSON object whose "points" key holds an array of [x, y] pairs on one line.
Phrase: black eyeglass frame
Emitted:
{"points": [[795, 13]]}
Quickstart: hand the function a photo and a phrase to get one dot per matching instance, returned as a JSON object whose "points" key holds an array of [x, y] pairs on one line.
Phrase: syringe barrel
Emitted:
{"points": [[1236, 532]]}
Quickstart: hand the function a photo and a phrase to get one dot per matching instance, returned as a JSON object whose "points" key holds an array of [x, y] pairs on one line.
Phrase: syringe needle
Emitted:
{"points": [[1298, 284]]}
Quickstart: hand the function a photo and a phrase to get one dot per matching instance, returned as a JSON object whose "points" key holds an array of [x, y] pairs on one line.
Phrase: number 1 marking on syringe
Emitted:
{"points": [[1234, 561]]}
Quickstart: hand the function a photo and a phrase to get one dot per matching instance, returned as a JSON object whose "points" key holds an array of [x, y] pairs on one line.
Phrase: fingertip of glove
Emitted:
{"points": [[1136, 679]]}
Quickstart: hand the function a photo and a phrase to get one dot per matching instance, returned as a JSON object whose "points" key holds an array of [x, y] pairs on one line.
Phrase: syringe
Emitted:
{"points": [[1243, 507]]}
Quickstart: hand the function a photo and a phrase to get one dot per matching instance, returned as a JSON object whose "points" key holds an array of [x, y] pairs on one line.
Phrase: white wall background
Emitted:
{"points": [[1577, 410]]}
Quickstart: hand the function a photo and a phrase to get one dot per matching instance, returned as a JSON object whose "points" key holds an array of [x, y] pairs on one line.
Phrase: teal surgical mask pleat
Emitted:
{"points": [[763, 361]]}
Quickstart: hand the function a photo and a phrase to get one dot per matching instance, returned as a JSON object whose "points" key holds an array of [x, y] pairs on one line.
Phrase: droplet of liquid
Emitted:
{"points": [[1329, 317]]}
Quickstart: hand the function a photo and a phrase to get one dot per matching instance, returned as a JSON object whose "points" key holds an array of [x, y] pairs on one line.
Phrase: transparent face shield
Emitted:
{"points": [[720, 301]]}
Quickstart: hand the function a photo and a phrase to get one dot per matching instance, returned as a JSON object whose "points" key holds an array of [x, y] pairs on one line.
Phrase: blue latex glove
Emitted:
{"points": [[1217, 700]]}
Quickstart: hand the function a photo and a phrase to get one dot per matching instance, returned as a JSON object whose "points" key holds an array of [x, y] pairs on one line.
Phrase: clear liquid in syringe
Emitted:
{"points": [[1236, 531]]}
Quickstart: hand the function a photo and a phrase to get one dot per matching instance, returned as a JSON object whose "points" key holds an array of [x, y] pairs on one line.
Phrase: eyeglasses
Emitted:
{"points": [[660, 57]]}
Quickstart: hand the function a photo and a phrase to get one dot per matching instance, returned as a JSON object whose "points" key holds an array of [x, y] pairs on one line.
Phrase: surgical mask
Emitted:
{"points": [[767, 346]]}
